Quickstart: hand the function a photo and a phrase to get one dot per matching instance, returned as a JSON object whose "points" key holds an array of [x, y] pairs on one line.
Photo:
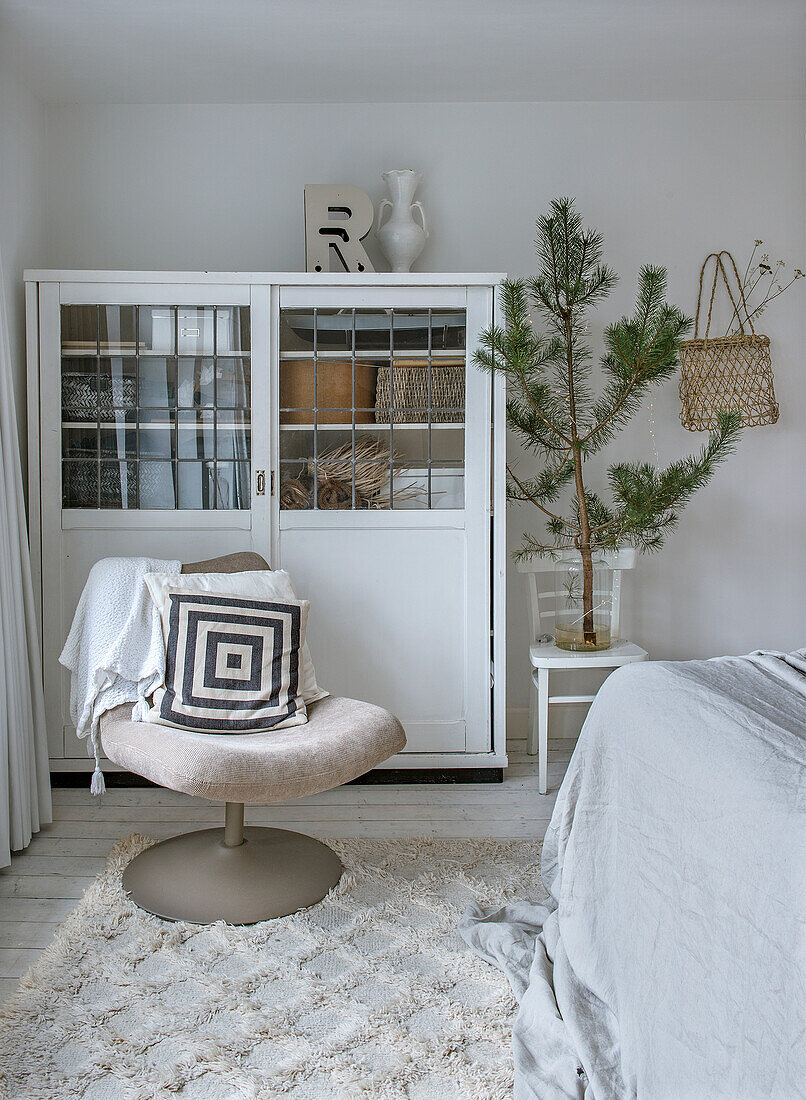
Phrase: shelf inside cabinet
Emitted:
{"points": [[361, 355], [150, 353], [366, 320], [78, 350], [371, 427], [221, 422]]}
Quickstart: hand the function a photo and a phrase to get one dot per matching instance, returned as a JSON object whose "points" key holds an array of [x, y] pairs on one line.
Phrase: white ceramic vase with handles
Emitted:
{"points": [[400, 237]]}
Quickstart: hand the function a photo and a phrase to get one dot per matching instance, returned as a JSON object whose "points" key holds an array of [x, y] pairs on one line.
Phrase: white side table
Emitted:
{"points": [[543, 659]]}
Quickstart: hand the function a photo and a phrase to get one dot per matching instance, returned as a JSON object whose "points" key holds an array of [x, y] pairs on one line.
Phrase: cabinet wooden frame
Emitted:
{"points": [[466, 543]]}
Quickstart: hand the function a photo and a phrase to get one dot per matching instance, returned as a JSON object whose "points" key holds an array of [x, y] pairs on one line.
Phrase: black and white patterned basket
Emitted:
{"points": [[82, 399]]}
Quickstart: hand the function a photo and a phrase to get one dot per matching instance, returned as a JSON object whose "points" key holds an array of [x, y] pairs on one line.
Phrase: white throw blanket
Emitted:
{"points": [[669, 962], [115, 651]]}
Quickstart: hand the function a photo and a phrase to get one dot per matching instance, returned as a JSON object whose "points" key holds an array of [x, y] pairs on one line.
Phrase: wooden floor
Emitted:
{"points": [[44, 882]]}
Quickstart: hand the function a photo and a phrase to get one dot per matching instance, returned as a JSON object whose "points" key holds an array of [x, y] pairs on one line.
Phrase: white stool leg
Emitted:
{"points": [[531, 737], [542, 727]]}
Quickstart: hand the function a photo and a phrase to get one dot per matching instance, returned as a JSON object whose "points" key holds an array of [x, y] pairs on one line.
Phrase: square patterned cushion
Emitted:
{"points": [[232, 664], [259, 584]]}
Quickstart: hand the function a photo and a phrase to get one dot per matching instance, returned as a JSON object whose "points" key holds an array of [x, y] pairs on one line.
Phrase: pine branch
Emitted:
{"points": [[534, 432], [535, 399], [651, 500], [537, 491], [642, 351], [548, 484], [572, 276], [515, 351], [530, 547]]}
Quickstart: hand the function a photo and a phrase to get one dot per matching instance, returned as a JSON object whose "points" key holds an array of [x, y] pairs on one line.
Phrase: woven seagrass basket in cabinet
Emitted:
{"points": [[412, 387]]}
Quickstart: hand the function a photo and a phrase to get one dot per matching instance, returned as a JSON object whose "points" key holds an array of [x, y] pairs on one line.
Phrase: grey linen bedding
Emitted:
{"points": [[668, 963]]}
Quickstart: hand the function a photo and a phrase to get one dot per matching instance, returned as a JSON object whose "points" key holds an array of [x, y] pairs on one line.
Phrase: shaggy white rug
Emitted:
{"points": [[370, 993]]}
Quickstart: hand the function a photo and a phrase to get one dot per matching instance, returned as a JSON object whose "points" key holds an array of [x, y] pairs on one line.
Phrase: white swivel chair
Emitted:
{"points": [[235, 874], [546, 656]]}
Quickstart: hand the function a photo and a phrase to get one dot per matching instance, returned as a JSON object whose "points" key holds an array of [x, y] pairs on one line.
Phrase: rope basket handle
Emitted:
{"points": [[720, 267]]}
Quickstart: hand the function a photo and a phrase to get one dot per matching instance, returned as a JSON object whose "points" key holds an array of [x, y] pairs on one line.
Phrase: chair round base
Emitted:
{"points": [[195, 877]]}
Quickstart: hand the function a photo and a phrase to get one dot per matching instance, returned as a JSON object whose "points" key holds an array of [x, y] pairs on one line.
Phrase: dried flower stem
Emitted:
{"points": [[754, 274]]}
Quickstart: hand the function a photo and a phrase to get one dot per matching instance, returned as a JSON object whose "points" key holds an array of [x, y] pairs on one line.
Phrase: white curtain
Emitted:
{"points": [[24, 777]]}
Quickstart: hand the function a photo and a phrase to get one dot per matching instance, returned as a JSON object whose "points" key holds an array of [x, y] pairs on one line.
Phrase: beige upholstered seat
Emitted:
{"points": [[342, 739], [235, 874]]}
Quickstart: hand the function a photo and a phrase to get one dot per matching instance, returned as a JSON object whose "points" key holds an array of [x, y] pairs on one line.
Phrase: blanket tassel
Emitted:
{"points": [[97, 786], [140, 710]]}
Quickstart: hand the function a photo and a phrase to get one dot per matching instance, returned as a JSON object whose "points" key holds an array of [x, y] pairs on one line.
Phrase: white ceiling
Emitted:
{"points": [[262, 51]]}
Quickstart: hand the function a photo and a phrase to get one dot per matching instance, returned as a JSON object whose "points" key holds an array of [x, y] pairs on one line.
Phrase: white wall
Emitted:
{"points": [[22, 128], [220, 187]]}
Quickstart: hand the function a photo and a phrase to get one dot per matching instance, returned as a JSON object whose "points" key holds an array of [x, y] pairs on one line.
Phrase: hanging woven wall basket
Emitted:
{"points": [[727, 372]]}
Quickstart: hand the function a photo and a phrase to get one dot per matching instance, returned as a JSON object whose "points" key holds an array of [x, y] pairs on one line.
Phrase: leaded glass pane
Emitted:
{"points": [[156, 407], [372, 408]]}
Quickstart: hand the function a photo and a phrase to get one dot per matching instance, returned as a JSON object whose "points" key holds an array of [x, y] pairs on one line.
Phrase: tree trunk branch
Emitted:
{"points": [[588, 633]]}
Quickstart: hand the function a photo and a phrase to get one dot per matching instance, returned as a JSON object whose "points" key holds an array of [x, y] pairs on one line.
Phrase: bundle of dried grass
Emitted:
{"points": [[372, 461]]}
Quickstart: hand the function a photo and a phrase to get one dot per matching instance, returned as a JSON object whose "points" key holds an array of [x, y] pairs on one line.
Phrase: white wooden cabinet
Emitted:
{"points": [[192, 414]]}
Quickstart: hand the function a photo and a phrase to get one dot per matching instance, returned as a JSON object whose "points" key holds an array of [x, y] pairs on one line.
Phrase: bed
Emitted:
{"points": [[668, 961]]}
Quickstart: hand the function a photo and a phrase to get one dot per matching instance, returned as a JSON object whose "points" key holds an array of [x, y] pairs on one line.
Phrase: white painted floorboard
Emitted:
{"points": [[44, 882]]}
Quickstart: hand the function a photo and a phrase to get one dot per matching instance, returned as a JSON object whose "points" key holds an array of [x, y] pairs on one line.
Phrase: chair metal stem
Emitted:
{"points": [[233, 824]]}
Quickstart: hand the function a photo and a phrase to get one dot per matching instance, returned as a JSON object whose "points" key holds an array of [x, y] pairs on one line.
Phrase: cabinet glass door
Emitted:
{"points": [[155, 407], [372, 408]]}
